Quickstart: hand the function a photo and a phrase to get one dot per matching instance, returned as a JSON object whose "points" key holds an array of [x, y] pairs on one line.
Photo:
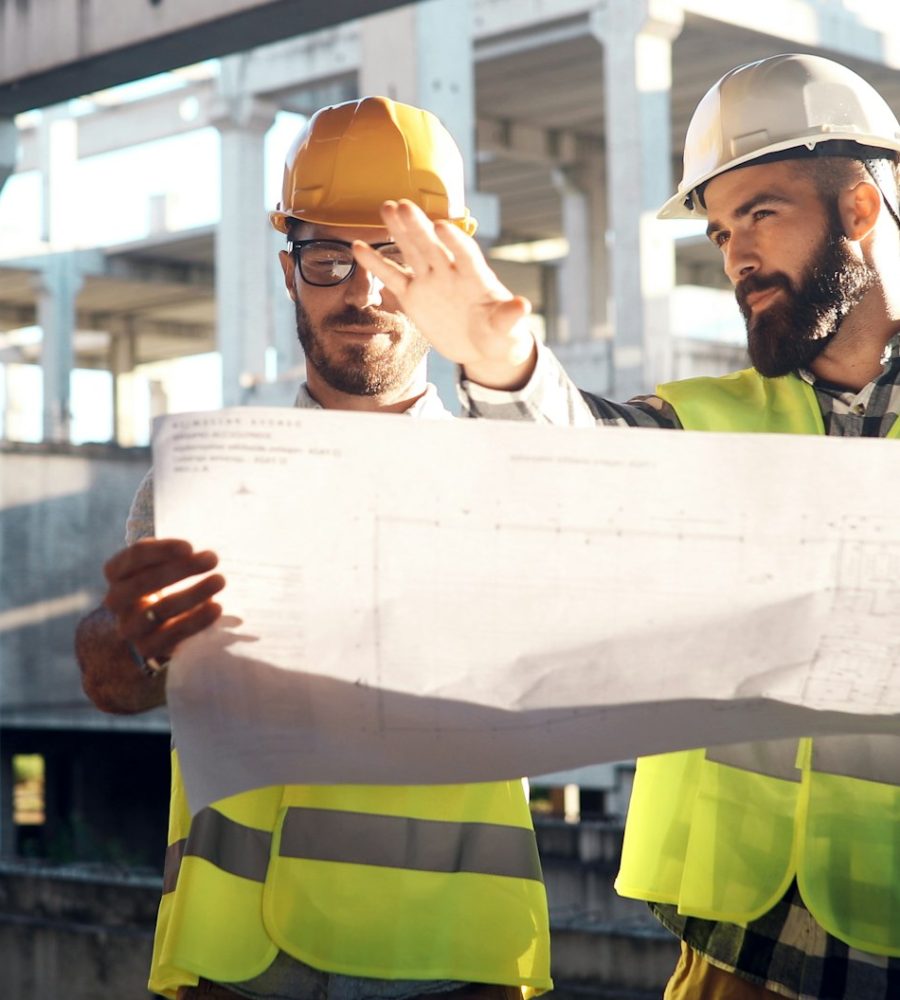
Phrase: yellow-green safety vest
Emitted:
{"points": [[421, 882], [721, 833]]}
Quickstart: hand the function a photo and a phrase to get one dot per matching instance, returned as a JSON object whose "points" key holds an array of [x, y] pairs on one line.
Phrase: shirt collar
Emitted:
{"points": [[428, 406]]}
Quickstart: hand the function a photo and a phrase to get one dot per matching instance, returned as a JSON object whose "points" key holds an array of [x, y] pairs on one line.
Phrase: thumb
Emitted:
{"points": [[506, 314]]}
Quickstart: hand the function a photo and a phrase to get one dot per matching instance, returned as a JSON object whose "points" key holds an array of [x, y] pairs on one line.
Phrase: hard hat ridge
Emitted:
{"points": [[352, 157]]}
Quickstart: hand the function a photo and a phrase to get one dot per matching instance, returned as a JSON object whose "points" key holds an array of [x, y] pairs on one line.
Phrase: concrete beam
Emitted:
{"points": [[830, 26], [146, 269], [532, 144], [509, 17], [168, 272], [52, 50]]}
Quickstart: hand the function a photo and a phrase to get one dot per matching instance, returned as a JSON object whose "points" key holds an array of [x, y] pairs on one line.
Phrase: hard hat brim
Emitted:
{"points": [[676, 207], [279, 220]]}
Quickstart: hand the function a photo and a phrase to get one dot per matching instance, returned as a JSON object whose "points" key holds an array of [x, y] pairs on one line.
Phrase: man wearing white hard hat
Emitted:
{"points": [[777, 864]]}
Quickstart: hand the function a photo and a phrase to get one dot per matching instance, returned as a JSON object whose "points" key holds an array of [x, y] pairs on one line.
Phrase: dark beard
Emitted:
{"points": [[356, 368], [794, 330]]}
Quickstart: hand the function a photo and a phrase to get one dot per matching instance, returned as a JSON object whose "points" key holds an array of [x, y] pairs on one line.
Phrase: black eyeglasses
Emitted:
{"points": [[331, 262]]}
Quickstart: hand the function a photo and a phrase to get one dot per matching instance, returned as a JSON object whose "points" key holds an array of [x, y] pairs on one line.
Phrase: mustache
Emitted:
{"points": [[760, 283], [373, 319]]}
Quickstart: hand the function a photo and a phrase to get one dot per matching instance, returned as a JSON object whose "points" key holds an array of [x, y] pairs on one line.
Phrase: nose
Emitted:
{"points": [[363, 288], [740, 257]]}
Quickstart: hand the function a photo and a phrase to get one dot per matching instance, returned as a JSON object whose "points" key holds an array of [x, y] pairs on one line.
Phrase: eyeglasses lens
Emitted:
{"points": [[325, 263]]}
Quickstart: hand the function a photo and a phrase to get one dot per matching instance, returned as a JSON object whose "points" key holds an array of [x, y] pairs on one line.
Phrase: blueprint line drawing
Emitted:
{"points": [[415, 602]]}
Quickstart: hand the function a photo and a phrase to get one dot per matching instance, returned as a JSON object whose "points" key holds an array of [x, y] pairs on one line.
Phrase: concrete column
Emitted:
{"points": [[242, 242], [288, 353], [9, 140], [637, 39], [421, 54], [593, 181], [58, 157], [122, 357], [550, 293], [575, 270], [57, 286]]}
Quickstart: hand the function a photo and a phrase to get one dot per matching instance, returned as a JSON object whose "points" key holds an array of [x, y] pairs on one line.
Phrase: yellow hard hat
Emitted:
{"points": [[350, 158], [784, 103]]}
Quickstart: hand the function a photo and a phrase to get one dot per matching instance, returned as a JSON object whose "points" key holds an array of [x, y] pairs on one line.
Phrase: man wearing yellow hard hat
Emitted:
{"points": [[328, 893], [776, 863]]}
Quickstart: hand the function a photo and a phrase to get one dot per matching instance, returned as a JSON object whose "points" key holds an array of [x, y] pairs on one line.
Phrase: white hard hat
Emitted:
{"points": [[777, 104]]}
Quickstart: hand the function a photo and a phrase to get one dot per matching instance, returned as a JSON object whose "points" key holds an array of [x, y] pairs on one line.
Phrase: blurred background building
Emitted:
{"points": [[138, 276]]}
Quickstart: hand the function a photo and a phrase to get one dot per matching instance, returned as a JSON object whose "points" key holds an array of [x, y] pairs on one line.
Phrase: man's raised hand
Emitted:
{"points": [[448, 290]]}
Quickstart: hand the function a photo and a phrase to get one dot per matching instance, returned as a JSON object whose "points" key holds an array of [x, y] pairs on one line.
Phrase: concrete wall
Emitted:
{"points": [[75, 933], [62, 513], [602, 944]]}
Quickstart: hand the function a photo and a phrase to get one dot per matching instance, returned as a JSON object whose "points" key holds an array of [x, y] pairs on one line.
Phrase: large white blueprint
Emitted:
{"points": [[413, 601]]}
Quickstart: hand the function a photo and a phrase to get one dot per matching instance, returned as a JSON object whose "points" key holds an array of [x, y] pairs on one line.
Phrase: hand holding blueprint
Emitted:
{"points": [[415, 602]]}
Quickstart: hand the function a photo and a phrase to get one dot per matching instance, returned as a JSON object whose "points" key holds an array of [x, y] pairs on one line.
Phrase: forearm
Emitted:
{"points": [[109, 675], [550, 397]]}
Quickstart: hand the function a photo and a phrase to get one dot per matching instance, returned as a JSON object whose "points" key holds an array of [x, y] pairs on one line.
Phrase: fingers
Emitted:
{"points": [[394, 278], [146, 552], [143, 569], [412, 230], [167, 633], [505, 315], [153, 615], [156, 622], [468, 258]]}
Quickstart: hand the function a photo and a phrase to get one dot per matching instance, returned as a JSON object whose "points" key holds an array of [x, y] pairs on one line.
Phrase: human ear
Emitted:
{"points": [[289, 267], [859, 208]]}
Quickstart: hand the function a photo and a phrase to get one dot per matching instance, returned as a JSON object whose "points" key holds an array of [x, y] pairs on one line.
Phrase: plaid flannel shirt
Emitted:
{"points": [[786, 950]]}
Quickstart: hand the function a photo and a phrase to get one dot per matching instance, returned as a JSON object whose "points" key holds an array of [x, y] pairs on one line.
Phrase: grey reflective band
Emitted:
{"points": [[774, 758], [412, 844], [235, 848], [172, 865], [868, 757], [871, 758], [357, 838]]}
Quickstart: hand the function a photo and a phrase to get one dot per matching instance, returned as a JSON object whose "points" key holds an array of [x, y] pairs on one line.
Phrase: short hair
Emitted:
{"points": [[833, 174], [832, 166]]}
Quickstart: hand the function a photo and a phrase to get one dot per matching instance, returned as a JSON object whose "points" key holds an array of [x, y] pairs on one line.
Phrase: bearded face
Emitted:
{"points": [[798, 324], [382, 360]]}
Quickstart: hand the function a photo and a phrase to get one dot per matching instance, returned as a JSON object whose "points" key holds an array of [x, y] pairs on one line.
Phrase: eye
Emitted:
{"points": [[393, 253], [719, 238], [762, 213], [326, 258]]}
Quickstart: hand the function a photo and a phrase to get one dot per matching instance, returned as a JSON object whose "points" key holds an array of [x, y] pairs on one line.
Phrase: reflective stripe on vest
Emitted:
{"points": [[872, 758], [418, 844], [237, 849], [776, 758], [866, 756], [724, 842], [357, 838]]}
